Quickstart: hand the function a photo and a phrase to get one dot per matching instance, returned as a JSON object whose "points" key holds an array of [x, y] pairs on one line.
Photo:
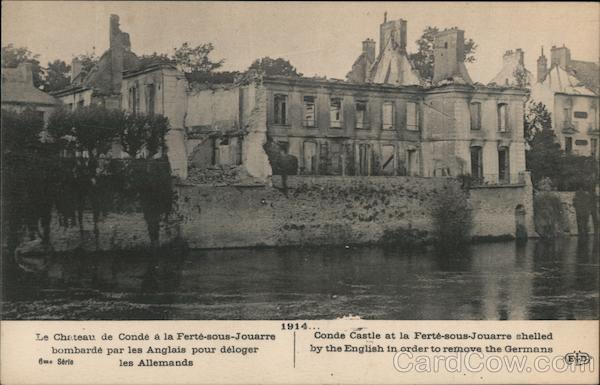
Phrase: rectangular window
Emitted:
{"points": [[594, 149], [335, 113], [40, 115], [580, 114], [280, 109], [502, 117], [412, 166], [476, 163], [412, 116], [150, 96], [503, 166], [310, 158], [476, 116], [133, 100], [309, 117], [361, 115], [80, 104], [567, 117], [581, 142], [388, 116], [568, 144], [387, 160], [363, 159]]}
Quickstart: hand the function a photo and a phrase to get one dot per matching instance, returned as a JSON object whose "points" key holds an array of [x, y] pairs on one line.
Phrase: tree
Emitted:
{"points": [[537, 119], [13, 56], [544, 157], [91, 178], [88, 62], [274, 67], [452, 217], [195, 59], [521, 77], [57, 76], [422, 60], [27, 170], [155, 58]]}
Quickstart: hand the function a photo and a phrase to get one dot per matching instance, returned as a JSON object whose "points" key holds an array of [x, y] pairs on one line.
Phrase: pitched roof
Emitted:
{"points": [[17, 88], [588, 73], [561, 80]]}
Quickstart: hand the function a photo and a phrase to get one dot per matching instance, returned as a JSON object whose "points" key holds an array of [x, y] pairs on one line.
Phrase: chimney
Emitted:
{"points": [[521, 56], [517, 56], [392, 32], [119, 43], [368, 49], [76, 68], [542, 67], [449, 56], [26, 73], [560, 56]]}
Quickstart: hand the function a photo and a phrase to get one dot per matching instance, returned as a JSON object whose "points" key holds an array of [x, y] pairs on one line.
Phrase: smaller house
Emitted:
{"points": [[19, 93], [570, 91]]}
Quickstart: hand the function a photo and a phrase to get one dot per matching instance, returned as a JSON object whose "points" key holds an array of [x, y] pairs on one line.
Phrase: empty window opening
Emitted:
{"points": [[280, 109], [502, 117], [361, 114], [412, 116], [309, 118], [335, 112], [476, 116], [476, 163], [388, 116], [503, 166]]}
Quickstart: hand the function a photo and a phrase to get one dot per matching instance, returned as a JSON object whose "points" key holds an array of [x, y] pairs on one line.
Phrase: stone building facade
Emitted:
{"points": [[570, 90], [383, 120]]}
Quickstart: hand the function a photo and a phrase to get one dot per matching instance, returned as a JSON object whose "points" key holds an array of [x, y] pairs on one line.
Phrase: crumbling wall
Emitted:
{"points": [[254, 158]]}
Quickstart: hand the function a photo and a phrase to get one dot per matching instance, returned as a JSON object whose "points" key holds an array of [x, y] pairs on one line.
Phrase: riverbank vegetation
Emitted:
{"points": [[452, 217], [88, 159], [553, 168]]}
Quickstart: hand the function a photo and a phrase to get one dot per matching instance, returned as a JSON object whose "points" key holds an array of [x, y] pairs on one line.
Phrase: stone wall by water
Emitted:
{"points": [[317, 210], [566, 197]]}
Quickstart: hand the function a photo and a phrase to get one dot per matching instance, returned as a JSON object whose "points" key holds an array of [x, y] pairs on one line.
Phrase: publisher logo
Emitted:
{"points": [[577, 358]]}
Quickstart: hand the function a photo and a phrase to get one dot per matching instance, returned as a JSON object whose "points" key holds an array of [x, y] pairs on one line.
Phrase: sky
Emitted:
{"points": [[317, 38]]}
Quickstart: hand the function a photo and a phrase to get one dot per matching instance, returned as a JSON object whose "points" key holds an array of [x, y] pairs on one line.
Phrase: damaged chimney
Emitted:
{"points": [[119, 43], [449, 56], [542, 67], [511, 56], [560, 56], [76, 68], [368, 49], [392, 32]]}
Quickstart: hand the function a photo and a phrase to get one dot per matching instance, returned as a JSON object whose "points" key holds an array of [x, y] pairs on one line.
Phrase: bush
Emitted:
{"points": [[548, 214], [452, 217]]}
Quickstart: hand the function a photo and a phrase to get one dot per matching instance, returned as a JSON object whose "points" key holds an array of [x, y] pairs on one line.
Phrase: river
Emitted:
{"points": [[537, 280]]}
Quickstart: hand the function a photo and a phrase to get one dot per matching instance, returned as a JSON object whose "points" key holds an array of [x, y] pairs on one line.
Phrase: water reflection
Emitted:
{"points": [[535, 280]]}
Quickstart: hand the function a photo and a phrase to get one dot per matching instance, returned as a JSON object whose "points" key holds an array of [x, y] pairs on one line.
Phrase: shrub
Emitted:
{"points": [[548, 214], [452, 217]]}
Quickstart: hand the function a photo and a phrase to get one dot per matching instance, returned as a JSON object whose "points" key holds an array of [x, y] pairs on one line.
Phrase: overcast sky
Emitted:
{"points": [[318, 38]]}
